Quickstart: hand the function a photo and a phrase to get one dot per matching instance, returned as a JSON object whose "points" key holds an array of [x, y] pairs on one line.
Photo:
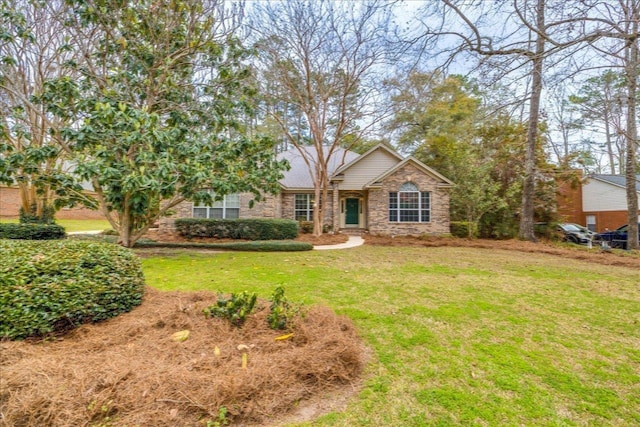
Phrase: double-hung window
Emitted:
{"points": [[409, 204], [303, 207], [227, 208]]}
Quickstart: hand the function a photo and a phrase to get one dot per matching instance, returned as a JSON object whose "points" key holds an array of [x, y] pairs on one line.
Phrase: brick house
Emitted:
{"points": [[10, 203], [598, 202], [379, 191]]}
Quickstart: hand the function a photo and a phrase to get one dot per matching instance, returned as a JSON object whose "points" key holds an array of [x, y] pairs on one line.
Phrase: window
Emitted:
{"points": [[303, 207], [591, 222], [227, 208], [409, 204]]}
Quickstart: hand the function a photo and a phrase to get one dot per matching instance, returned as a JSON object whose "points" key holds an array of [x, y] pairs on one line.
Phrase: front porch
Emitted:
{"points": [[351, 207]]}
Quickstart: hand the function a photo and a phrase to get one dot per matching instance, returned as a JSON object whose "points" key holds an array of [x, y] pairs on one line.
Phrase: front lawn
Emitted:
{"points": [[460, 336]]}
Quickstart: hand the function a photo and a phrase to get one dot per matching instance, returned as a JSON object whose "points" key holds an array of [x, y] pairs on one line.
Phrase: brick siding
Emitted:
{"points": [[10, 205], [378, 205], [268, 207]]}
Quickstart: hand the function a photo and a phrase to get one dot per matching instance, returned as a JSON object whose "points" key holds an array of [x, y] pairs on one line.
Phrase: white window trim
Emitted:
{"points": [[307, 211], [224, 207], [398, 209]]}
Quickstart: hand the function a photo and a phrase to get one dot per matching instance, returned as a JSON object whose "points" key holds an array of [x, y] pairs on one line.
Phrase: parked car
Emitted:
{"points": [[574, 233], [584, 229], [616, 238]]}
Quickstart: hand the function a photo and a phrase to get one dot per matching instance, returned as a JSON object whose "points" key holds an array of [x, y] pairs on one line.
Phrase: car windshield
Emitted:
{"points": [[570, 227]]}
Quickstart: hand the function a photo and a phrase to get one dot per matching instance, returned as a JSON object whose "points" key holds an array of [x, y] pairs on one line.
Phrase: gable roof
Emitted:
{"points": [[299, 175], [617, 180], [444, 181], [367, 154]]}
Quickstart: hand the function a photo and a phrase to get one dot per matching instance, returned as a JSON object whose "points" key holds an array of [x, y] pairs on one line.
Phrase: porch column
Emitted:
{"points": [[336, 207]]}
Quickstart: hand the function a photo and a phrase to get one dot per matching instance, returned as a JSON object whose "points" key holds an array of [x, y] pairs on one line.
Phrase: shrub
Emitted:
{"points": [[257, 246], [247, 229], [31, 217], [32, 231], [461, 229], [236, 308], [52, 286], [281, 311], [306, 227]]}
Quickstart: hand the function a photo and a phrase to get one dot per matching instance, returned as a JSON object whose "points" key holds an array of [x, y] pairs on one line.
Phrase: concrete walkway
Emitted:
{"points": [[85, 232], [351, 243]]}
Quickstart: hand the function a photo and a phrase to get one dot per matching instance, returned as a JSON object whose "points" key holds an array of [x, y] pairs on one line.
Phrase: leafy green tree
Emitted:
{"points": [[159, 109], [444, 122], [434, 119]]}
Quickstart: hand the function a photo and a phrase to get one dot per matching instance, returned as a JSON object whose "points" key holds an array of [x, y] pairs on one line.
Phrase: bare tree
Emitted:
{"points": [[35, 48], [510, 37], [620, 23], [318, 57]]}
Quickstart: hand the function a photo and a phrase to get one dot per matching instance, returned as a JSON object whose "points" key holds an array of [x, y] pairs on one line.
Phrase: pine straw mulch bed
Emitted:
{"points": [[129, 371], [616, 258]]}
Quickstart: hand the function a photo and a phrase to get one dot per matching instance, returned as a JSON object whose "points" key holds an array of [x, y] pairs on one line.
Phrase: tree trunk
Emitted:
{"points": [[317, 211], [607, 131], [528, 189], [124, 233], [631, 70]]}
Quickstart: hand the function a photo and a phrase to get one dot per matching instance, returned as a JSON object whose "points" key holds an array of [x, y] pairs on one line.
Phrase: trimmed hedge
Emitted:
{"points": [[53, 286], [31, 231], [246, 229], [256, 246]]}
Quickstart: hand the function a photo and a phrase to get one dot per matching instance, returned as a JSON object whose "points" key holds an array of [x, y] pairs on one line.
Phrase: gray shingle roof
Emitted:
{"points": [[299, 176], [619, 180]]}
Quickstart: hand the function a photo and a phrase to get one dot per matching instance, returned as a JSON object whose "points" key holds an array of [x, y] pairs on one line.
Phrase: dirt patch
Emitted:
{"points": [[129, 370], [616, 258]]}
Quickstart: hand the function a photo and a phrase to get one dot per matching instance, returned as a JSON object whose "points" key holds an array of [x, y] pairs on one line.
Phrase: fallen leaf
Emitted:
{"points": [[180, 336], [284, 337]]}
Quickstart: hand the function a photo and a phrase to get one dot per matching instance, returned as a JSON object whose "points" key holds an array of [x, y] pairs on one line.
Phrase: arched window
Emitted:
{"points": [[409, 204], [408, 187]]}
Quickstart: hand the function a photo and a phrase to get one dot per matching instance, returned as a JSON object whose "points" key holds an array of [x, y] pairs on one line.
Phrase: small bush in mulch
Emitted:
{"points": [[129, 371], [56, 285]]}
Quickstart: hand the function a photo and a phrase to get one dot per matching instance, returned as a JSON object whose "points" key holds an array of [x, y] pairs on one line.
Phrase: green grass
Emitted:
{"points": [[459, 336], [72, 225]]}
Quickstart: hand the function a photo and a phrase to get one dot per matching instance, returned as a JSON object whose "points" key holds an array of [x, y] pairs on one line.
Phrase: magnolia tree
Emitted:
{"points": [[157, 109]]}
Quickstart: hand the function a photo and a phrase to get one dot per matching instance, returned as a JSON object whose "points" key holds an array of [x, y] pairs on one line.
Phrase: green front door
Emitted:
{"points": [[353, 211]]}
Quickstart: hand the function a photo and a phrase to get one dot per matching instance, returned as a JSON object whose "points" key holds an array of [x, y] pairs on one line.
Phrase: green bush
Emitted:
{"points": [[461, 229], [236, 308], [31, 217], [246, 229], [52, 286], [256, 246], [31, 231], [281, 311]]}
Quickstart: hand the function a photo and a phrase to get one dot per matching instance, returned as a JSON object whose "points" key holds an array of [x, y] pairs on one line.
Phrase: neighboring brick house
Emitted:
{"points": [[379, 191], [598, 202], [10, 204]]}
